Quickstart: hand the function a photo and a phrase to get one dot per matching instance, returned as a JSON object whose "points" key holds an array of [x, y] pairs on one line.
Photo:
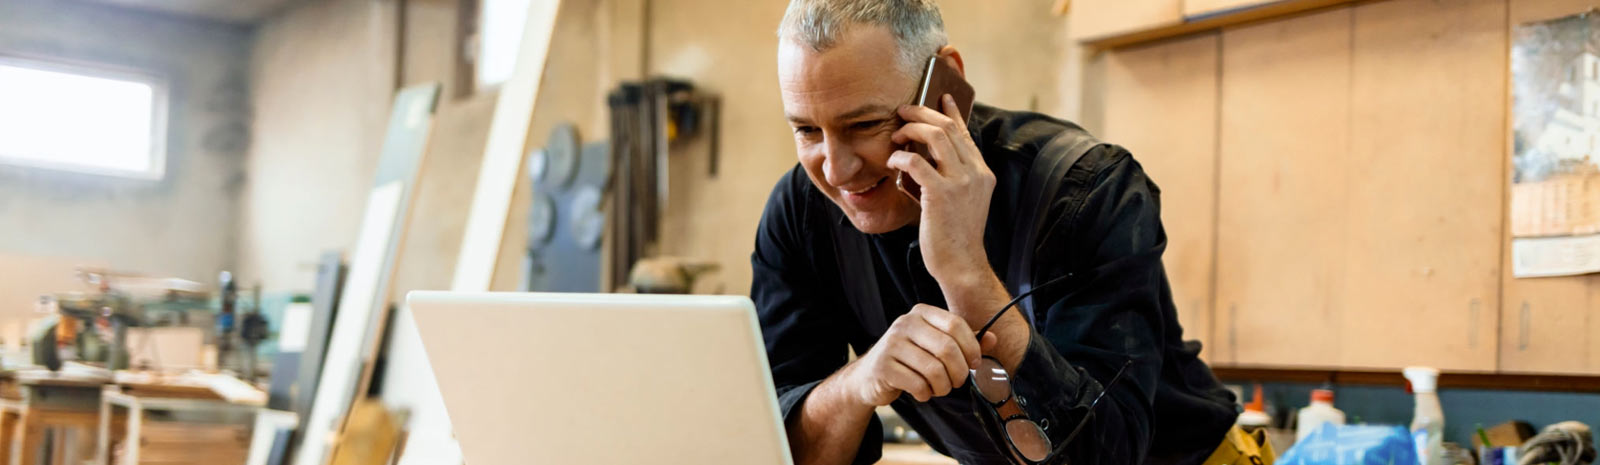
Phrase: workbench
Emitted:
{"points": [[131, 437], [53, 416], [58, 412]]}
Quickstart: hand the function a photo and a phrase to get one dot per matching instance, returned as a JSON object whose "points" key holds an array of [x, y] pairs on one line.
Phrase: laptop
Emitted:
{"points": [[544, 378]]}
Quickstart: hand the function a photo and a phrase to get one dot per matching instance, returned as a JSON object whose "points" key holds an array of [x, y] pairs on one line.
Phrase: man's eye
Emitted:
{"points": [[805, 130]]}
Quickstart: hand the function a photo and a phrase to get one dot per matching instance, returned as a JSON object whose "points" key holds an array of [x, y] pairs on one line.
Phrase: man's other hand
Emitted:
{"points": [[926, 353]]}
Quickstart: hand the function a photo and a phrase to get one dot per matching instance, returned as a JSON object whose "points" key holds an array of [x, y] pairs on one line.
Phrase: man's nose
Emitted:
{"points": [[840, 163]]}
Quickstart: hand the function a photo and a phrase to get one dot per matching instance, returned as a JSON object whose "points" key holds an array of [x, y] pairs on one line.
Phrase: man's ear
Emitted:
{"points": [[952, 57]]}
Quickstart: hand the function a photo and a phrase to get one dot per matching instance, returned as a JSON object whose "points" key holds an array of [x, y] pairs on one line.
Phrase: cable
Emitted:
{"points": [[1016, 299]]}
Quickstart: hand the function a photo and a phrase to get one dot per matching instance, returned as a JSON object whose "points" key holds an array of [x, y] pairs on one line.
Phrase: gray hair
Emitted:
{"points": [[916, 24]]}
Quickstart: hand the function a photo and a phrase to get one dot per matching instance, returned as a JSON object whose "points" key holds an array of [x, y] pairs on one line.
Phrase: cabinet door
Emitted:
{"points": [[1548, 325], [1161, 104], [1282, 190], [1192, 8], [1096, 19], [1426, 167]]}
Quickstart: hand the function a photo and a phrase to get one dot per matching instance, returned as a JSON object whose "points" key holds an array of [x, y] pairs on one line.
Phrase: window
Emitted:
{"points": [[499, 36], [81, 119]]}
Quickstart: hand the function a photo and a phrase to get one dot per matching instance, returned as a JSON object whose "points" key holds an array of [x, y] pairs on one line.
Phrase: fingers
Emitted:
{"points": [[928, 352], [907, 380], [953, 111], [940, 146], [989, 342], [954, 328], [944, 350], [934, 371], [913, 164], [949, 122]]}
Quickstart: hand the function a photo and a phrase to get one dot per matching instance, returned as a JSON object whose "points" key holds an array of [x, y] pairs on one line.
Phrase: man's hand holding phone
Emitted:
{"points": [[956, 189]]}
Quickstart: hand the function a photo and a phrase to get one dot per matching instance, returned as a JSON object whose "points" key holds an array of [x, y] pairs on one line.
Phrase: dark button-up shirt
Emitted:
{"points": [[1103, 227]]}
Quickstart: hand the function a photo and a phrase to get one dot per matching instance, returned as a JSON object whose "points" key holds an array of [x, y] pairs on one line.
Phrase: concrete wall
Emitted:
{"points": [[323, 75], [183, 224]]}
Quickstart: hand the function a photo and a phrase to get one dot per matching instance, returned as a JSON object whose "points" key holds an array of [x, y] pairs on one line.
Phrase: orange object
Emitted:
{"points": [[66, 331], [1256, 402]]}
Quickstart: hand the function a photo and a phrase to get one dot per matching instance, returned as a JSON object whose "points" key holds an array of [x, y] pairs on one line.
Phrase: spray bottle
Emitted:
{"points": [[1427, 423]]}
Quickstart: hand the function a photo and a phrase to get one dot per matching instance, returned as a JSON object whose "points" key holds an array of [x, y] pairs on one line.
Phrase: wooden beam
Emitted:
{"points": [[1447, 380], [1205, 23], [503, 156]]}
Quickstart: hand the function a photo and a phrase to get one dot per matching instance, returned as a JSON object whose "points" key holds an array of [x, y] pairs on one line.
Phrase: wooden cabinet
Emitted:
{"points": [[1361, 187], [1548, 325], [1094, 19], [1425, 167], [1176, 80], [1193, 8], [1285, 112], [1358, 187]]}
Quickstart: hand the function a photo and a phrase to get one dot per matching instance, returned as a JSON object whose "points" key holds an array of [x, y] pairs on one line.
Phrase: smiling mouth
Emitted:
{"points": [[866, 189]]}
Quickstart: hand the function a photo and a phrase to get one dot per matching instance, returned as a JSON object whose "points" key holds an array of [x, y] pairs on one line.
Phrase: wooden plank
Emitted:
{"points": [[504, 154], [1524, 11], [1425, 171], [1161, 104], [1269, 11], [1193, 8], [1448, 380], [358, 327], [1281, 202], [1548, 325], [1096, 19]]}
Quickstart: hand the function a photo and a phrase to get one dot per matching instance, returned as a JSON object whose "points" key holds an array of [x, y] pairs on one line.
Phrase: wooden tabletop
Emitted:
{"points": [[913, 454]]}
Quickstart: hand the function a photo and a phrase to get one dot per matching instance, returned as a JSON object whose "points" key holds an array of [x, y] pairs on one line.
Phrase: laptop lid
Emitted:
{"points": [[545, 378]]}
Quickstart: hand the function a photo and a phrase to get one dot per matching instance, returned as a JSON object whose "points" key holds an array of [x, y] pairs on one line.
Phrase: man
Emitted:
{"points": [[938, 268]]}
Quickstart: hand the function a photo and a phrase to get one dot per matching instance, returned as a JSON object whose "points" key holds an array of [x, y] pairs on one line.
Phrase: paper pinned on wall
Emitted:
{"points": [[296, 328], [1555, 185], [1555, 256]]}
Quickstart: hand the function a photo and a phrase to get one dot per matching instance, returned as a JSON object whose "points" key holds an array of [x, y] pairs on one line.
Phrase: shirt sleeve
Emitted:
{"points": [[805, 338], [1107, 312]]}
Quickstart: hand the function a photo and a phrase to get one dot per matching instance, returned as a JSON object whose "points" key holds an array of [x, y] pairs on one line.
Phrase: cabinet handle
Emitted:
{"points": [[1522, 333], [1233, 332], [1472, 324]]}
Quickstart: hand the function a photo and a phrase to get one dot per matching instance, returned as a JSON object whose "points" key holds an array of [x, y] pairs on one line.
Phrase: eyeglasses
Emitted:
{"points": [[992, 384]]}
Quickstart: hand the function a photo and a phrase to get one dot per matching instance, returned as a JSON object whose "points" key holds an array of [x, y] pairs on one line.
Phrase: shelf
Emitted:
{"points": [[1447, 380], [1217, 20]]}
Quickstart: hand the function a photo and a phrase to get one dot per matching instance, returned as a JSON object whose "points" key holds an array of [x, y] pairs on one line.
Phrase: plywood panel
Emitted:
{"points": [[1193, 8], [1548, 325], [481, 245], [1161, 104], [1091, 19], [1523, 11], [1281, 201], [1425, 171]]}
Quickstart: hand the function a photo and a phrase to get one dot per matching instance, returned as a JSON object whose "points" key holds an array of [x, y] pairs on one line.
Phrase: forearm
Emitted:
{"points": [[829, 426], [976, 297]]}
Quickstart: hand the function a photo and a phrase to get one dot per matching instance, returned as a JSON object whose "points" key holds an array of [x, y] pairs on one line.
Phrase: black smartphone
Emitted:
{"points": [[938, 79]]}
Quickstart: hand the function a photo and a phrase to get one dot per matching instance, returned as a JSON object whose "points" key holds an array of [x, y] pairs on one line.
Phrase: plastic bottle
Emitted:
{"points": [[1427, 423], [1320, 411], [1255, 415]]}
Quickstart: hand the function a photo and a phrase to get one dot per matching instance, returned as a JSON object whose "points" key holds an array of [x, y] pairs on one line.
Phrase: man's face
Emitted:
{"points": [[841, 104]]}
